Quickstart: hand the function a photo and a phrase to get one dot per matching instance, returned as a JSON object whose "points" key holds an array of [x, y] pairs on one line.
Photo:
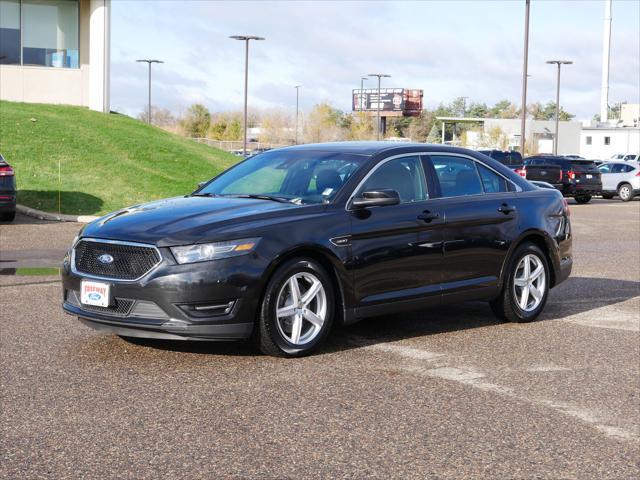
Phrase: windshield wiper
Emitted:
{"points": [[203, 194], [261, 197]]}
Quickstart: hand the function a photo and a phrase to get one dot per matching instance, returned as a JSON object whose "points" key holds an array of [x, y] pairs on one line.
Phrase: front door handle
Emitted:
{"points": [[427, 216], [506, 209]]}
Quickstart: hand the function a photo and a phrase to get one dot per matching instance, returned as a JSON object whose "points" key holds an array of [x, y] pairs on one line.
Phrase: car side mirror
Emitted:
{"points": [[202, 184], [376, 198]]}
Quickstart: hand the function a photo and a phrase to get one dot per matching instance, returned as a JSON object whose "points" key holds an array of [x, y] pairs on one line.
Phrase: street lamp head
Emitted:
{"points": [[379, 75], [149, 61], [559, 62], [246, 37]]}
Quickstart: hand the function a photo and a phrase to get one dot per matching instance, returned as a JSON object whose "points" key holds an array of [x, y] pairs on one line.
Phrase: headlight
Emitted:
{"points": [[205, 252]]}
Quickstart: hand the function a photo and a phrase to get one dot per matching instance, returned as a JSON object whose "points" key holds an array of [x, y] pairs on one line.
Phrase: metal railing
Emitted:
{"points": [[235, 146]]}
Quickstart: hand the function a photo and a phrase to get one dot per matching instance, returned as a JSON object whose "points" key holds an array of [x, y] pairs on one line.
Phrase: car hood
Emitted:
{"points": [[184, 220]]}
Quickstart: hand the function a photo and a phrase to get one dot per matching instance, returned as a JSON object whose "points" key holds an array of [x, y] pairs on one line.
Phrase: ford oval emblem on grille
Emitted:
{"points": [[105, 259]]}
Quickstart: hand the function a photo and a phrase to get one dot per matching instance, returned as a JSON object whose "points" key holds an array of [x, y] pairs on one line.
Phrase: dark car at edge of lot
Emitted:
{"points": [[286, 244], [8, 191], [511, 159], [575, 178]]}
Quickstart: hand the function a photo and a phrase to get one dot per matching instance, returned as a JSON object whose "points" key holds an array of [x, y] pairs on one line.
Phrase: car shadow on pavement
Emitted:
{"points": [[71, 202], [576, 295]]}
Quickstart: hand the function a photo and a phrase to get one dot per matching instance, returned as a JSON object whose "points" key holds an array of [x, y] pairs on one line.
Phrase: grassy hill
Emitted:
{"points": [[106, 161]]}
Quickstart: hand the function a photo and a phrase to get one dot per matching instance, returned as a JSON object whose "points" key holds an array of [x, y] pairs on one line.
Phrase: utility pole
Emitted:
{"points": [[379, 75], [297, 87], [559, 63], [149, 62], [245, 39], [523, 114]]}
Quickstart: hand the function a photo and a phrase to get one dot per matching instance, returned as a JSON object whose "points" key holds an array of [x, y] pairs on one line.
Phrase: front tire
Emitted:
{"points": [[625, 192], [526, 288], [297, 309], [582, 199]]}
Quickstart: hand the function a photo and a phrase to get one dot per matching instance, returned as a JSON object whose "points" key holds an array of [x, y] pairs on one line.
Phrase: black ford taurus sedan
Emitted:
{"points": [[288, 243]]}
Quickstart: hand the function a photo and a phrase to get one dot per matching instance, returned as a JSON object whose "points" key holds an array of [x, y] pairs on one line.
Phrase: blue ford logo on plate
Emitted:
{"points": [[94, 296], [105, 259]]}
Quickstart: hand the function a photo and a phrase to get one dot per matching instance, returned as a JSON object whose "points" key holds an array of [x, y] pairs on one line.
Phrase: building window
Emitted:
{"points": [[10, 32], [607, 140], [50, 32], [588, 140]]}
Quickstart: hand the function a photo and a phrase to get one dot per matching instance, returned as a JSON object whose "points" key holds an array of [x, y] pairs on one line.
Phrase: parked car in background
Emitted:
{"points": [[575, 157], [632, 157], [8, 191], [579, 179], [511, 159], [287, 243], [617, 156], [620, 178]]}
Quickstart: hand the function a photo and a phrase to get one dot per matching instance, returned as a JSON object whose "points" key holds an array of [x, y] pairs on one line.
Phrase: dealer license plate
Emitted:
{"points": [[94, 293], [589, 176]]}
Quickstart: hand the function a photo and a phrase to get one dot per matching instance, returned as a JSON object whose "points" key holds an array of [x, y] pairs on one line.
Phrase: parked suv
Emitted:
{"points": [[579, 179], [7, 191], [620, 178], [511, 159]]}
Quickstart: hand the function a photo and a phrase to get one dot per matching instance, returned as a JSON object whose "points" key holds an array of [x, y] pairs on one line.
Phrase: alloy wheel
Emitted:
{"points": [[529, 283], [301, 308], [625, 192]]}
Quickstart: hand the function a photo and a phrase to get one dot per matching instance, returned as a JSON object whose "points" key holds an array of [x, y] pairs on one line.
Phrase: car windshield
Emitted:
{"points": [[296, 176]]}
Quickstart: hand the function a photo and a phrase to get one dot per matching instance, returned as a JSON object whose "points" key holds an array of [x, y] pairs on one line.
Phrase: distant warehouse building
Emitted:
{"points": [[55, 51]]}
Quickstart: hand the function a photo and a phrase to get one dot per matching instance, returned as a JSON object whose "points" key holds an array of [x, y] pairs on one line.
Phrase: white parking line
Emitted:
{"points": [[437, 365]]}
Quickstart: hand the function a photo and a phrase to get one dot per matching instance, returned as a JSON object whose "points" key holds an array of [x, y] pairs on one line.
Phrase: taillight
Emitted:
{"points": [[638, 174], [571, 175], [6, 171], [566, 207], [522, 172]]}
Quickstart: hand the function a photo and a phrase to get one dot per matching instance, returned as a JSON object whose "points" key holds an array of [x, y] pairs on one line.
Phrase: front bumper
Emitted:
{"points": [[174, 301]]}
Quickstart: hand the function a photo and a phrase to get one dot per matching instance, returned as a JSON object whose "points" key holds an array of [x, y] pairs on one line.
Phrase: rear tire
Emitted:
{"points": [[518, 302], [8, 216], [582, 199], [293, 320], [625, 192]]}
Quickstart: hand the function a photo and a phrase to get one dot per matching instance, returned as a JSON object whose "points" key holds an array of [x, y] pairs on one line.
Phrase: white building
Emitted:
{"points": [[55, 51], [603, 142]]}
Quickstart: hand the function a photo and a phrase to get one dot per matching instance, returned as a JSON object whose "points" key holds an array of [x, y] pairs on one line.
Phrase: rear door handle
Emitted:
{"points": [[506, 209], [427, 216]]}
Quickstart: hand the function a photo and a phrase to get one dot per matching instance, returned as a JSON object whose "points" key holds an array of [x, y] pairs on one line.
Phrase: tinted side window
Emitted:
{"points": [[491, 181], [457, 176], [619, 168], [606, 168], [404, 175]]}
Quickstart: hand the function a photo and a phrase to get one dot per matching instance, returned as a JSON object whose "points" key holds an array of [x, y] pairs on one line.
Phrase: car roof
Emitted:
{"points": [[374, 148]]}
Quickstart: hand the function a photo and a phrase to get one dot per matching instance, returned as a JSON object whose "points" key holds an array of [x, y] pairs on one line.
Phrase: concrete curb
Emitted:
{"points": [[54, 217]]}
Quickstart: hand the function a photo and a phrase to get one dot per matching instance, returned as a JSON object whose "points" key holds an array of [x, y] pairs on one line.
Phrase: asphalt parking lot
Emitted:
{"points": [[447, 393]]}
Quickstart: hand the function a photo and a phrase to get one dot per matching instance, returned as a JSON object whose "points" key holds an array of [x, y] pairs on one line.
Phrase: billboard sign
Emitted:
{"points": [[401, 101]]}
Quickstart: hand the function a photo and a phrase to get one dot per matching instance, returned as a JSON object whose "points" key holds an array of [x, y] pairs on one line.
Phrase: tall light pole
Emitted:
{"points": [[245, 39], [523, 114], [379, 75], [149, 62], [297, 87], [363, 98], [559, 63]]}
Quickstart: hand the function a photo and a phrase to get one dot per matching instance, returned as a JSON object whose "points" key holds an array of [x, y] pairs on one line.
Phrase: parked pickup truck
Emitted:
{"points": [[579, 179]]}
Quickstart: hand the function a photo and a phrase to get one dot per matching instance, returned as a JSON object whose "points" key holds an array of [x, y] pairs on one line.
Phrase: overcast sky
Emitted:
{"points": [[447, 48]]}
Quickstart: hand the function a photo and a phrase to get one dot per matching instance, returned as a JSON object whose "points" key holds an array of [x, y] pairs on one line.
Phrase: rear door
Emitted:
{"points": [[397, 250], [481, 222]]}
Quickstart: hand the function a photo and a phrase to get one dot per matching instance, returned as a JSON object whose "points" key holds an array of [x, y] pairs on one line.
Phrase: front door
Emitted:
{"points": [[397, 250]]}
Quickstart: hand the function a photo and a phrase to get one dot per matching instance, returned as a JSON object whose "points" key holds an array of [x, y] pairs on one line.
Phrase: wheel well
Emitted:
{"points": [[620, 184], [323, 260], [540, 242]]}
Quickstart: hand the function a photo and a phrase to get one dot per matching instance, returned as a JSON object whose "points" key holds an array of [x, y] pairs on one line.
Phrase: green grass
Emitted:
{"points": [[107, 161]]}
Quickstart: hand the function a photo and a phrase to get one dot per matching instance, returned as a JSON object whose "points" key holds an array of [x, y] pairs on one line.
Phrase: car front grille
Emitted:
{"points": [[128, 262]]}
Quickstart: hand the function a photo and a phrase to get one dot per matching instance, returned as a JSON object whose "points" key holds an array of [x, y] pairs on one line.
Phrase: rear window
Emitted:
{"points": [[583, 166]]}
